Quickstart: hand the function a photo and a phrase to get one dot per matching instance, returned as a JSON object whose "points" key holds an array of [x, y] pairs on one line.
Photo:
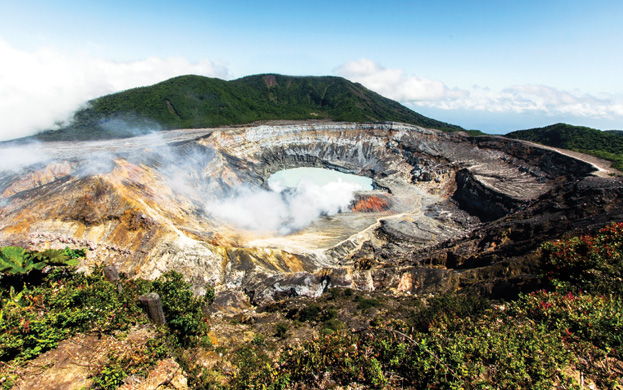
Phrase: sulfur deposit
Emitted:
{"points": [[445, 210]]}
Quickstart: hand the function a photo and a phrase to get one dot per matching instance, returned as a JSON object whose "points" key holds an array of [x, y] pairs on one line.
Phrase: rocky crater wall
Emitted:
{"points": [[144, 207]]}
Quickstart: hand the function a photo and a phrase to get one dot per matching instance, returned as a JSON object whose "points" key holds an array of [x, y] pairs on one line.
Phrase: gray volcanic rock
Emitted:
{"points": [[144, 204]]}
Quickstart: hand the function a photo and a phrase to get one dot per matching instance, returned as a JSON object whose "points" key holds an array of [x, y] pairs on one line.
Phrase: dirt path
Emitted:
{"points": [[604, 167]]}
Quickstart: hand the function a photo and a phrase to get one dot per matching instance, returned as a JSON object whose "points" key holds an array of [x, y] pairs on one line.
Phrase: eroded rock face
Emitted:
{"points": [[142, 204]]}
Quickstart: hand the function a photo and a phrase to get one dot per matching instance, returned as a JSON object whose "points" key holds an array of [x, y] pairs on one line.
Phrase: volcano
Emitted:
{"points": [[448, 210]]}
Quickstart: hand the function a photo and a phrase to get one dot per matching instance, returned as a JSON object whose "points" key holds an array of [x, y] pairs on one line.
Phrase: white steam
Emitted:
{"points": [[14, 158], [92, 158], [283, 210]]}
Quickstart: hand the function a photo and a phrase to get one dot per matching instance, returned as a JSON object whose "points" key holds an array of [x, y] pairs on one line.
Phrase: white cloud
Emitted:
{"points": [[537, 99], [47, 85], [395, 84]]}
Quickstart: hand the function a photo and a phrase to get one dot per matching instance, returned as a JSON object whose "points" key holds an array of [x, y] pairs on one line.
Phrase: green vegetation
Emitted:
{"points": [[281, 329], [183, 310], [366, 303], [588, 263], [119, 367], [547, 339], [39, 316], [197, 102], [53, 306], [554, 338], [18, 261], [603, 144]]}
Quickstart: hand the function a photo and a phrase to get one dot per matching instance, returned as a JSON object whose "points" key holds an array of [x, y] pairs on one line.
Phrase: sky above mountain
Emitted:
{"points": [[493, 65]]}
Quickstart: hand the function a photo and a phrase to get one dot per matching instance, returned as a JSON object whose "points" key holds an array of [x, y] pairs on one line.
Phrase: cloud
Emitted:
{"points": [[537, 99], [44, 86], [395, 84]]}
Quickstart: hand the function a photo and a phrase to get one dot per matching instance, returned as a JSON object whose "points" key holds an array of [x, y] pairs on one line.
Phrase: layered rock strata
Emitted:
{"points": [[141, 204]]}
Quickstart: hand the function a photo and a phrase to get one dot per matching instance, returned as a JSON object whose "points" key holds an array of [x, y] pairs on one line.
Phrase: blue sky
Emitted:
{"points": [[493, 65]]}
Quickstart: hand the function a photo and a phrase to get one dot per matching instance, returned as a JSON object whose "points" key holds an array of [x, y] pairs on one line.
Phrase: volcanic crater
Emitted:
{"points": [[448, 210]]}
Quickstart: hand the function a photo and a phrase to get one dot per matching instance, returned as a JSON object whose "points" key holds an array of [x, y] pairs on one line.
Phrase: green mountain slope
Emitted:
{"points": [[603, 144], [196, 102]]}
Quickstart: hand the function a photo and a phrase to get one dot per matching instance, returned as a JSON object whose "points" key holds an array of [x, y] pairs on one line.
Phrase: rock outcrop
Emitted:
{"points": [[453, 206]]}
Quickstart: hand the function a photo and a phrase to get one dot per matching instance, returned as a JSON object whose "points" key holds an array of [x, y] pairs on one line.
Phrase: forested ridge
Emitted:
{"points": [[190, 101], [603, 144]]}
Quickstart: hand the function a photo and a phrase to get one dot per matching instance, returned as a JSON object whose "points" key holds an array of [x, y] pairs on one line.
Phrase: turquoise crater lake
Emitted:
{"points": [[291, 178]]}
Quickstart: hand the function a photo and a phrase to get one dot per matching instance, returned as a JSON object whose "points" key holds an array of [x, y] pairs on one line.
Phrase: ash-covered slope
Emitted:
{"points": [[150, 204]]}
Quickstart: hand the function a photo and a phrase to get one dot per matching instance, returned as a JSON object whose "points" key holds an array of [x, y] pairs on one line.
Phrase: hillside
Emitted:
{"points": [[201, 102], [603, 144]]}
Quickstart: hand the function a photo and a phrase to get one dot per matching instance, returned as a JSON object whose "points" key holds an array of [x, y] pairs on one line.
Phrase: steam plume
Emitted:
{"points": [[283, 210]]}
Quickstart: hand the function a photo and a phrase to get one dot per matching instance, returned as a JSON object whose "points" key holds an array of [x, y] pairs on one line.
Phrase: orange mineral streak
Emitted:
{"points": [[38, 178], [372, 204]]}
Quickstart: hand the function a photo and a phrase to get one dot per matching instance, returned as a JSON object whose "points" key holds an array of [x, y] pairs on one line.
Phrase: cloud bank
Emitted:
{"points": [[395, 84], [538, 99], [45, 86]]}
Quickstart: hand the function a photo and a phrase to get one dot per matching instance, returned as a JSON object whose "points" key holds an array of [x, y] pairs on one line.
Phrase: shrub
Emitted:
{"points": [[281, 329], [18, 261], [366, 303], [110, 377], [64, 303], [182, 309], [591, 263], [132, 362], [312, 312], [336, 292], [331, 326], [448, 306], [309, 313]]}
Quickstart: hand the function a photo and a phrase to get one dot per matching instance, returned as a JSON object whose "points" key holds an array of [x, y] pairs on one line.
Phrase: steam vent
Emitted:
{"points": [[446, 210]]}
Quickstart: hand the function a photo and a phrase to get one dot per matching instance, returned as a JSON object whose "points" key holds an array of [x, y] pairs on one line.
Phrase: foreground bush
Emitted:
{"points": [[47, 310], [547, 339], [592, 263], [543, 340]]}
